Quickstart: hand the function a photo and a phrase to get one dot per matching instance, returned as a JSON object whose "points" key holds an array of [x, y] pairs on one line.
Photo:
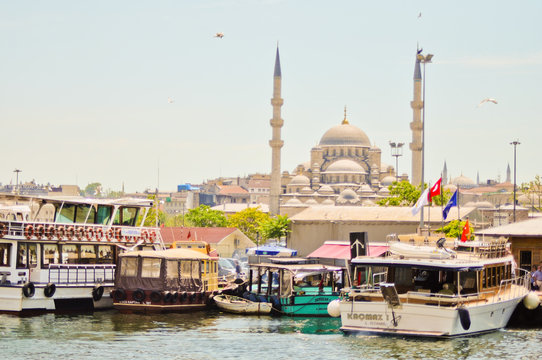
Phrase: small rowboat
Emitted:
{"points": [[238, 305]]}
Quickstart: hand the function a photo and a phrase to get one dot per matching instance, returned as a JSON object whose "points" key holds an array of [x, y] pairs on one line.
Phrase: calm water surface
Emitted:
{"points": [[215, 335]]}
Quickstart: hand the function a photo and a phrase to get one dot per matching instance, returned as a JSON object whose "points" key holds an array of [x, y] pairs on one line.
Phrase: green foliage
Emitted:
{"points": [[204, 216], [93, 190], [454, 229], [275, 228], [248, 221], [442, 200], [401, 194], [150, 220], [174, 220]]}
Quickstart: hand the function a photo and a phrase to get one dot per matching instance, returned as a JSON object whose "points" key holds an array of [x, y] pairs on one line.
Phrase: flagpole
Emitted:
{"points": [[441, 202], [429, 211], [458, 215]]}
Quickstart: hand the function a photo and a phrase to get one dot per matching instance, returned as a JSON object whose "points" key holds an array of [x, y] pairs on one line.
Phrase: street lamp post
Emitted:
{"points": [[17, 171], [396, 151], [515, 143], [424, 60]]}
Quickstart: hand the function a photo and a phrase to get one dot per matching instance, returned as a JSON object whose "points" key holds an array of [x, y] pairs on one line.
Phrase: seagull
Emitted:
{"points": [[131, 248], [419, 15], [487, 100], [170, 100], [219, 35]]}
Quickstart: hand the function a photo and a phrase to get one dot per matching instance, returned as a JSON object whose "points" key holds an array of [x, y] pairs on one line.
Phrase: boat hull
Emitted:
{"points": [[307, 305], [242, 306], [425, 320], [65, 299]]}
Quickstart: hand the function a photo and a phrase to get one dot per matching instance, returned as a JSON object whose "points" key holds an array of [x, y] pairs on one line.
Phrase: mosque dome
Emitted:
{"points": [[345, 134], [326, 190], [328, 202], [463, 182], [306, 191], [348, 196], [450, 187], [368, 202], [311, 202], [345, 166], [300, 180], [293, 202], [388, 180]]}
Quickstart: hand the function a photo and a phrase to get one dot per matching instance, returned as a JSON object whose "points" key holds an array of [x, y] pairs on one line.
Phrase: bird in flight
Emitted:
{"points": [[170, 100], [219, 35], [487, 100], [419, 15]]}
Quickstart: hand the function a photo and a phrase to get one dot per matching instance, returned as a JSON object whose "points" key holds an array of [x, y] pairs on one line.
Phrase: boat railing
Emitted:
{"points": [[514, 287], [379, 277], [81, 232], [81, 274]]}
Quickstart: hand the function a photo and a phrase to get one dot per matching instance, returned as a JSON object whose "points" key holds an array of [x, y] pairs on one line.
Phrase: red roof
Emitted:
{"points": [[210, 235], [231, 190], [341, 250]]}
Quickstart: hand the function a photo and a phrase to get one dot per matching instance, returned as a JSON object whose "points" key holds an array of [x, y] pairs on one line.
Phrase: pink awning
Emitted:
{"points": [[342, 251]]}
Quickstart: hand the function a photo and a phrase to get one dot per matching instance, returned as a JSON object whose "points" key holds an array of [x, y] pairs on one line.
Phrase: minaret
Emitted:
{"points": [[275, 142], [416, 126], [508, 176], [444, 174]]}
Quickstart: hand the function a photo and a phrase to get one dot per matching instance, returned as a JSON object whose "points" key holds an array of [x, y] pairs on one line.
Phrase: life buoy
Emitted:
{"points": [[50, 232], [49, 290], [29, 231], [29, 289], [60, 232], [97, 293], [81, 233], [155, 297], [70, 232], [40, 231], [138, 295], [100, 234], [152, 236], [145, 236], [90, 233], [109, 235], [119, 294], [118, 234]]}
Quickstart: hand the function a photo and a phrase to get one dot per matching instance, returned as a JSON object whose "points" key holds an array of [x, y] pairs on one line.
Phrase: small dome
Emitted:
{"points": [[345, 166], [368, 202], [293, 202], [348, 196], [311, 202], [345, 134], [388, 180], [463, 181], [300, 180], [384, 192], [328, 202], [306, 190], [326, 190], [484, 205]]}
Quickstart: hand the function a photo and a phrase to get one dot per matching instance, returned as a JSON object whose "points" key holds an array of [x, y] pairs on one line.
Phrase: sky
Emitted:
{"points": [[141, 93]]}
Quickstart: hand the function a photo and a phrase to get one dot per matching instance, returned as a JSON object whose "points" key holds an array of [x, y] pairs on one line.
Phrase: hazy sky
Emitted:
{"points": [[84, 86]]}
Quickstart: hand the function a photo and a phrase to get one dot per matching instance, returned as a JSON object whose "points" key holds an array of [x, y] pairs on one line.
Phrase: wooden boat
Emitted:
{"points": [[473, 292], [59, 254], [239, 305], [296, 287], [172, 280]]}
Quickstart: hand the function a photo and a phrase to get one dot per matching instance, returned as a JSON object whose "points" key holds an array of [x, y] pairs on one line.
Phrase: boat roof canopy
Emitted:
{"points": [[170, 254], [81, 200], [427, 264], [298, 268]]}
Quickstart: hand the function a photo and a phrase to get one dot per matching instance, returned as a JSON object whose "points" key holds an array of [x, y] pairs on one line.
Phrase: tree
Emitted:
{"points": [[150, 220], [401, 194], [454, 229], [275, 228], [204, 216], [249, 221], [93, 189]]}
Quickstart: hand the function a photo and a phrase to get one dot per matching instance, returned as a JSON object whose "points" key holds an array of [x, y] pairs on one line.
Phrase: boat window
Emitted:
{"points": [[403, 279], [186, 267], [70, 255], [150, 268], [195, 270], [129, 216], [105, 254], [172, 269], [4, 254], [26, 255], [51, 255], [88, 254], [467, 281], [82, 212], [103, 215], [128, 266], [286, 283], [67, 214], [207, 266]]}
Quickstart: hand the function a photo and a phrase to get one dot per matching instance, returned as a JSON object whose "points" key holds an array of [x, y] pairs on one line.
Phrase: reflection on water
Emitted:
{"points": [[214, 335]]}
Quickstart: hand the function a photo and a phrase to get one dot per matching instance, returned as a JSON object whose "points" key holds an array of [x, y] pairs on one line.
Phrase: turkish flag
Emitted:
{"points": [[465, 235], [188, 236], [435, 190]]}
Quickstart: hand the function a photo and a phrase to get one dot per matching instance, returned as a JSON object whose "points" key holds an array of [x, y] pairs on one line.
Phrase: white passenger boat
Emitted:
{"points": [[59, 254], [238, 305], [475, 290]]}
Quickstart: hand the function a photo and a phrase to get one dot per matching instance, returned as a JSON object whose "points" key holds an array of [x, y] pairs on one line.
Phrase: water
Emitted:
{"points": [[215, 335]]}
